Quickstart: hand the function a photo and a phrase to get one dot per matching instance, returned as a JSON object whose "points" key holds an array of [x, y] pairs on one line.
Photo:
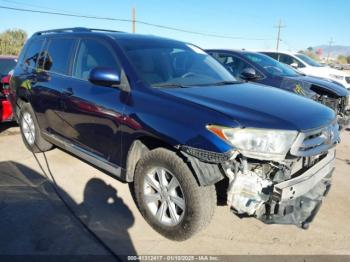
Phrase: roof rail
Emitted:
{"points": [[104, 30], [74, 30], [63, 30]]}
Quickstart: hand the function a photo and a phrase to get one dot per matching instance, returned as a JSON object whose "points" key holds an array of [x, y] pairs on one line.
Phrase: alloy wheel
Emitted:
{"points": [[28, 128], [164, 196]]}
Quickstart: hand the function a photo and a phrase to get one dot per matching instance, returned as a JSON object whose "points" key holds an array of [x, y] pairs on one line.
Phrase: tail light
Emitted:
{"points": [[6, 112]]}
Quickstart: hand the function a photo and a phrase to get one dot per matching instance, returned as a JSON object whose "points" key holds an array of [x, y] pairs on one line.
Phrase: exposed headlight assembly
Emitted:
{"points": [[263, 144], [337, 77]]}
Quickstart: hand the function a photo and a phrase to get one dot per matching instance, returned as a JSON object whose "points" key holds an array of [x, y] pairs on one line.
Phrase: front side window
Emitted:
{"points": [[272, 66], [56, 58], [308, 60], [289, 60], [162, 63], [234, 64], [273, 55], [93, 54], [32, 54]]}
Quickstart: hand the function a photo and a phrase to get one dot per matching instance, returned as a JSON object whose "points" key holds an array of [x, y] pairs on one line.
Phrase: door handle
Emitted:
{"points": [[68, 91]]}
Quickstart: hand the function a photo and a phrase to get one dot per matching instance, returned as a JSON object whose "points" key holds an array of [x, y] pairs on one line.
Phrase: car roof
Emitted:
{"points": [[238, 51], [96, 32], [278, 52]]}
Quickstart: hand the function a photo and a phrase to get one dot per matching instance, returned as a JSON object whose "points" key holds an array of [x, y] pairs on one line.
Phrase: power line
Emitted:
{"points": [[130, 21], [37, 6]]}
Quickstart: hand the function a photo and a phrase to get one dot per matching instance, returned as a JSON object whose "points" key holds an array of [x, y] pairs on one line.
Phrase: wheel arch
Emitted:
{"points": [[205, 173]]}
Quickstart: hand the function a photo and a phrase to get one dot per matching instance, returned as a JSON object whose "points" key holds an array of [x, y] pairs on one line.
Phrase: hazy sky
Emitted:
{"points": [[308, 22]]}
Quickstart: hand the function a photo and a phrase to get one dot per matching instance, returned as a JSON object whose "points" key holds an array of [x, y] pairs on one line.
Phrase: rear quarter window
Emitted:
{"points": [[32, 53], [57, 55]]}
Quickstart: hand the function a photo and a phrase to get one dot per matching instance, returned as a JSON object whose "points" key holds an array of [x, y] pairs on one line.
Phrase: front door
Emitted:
{"points": [[95, 112]]}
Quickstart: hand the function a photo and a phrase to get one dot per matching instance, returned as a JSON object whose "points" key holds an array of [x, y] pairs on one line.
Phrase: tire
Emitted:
{"points": [[191, 215], [29, 124]]}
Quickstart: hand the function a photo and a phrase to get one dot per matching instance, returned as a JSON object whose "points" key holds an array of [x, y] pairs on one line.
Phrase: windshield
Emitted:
{"points": [[271, 65], [168, 63], [6, 65], [308, 60]]}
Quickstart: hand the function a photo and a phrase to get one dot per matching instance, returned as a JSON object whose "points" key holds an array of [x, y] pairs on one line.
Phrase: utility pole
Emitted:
{"points": [[329, 49], [134, 20], [279, 27]]}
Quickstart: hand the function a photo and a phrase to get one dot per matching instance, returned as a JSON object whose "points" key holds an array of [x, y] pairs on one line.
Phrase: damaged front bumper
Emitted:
{"points": [[264, 193], [297, 201], [344, 120]]}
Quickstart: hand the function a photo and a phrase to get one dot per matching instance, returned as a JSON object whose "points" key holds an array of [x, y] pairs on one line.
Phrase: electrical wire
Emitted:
{"points": [[131, 21], [36, 6]]}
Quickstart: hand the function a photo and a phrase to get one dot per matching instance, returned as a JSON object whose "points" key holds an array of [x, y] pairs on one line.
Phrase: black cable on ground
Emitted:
{"points": [[55, 187]]}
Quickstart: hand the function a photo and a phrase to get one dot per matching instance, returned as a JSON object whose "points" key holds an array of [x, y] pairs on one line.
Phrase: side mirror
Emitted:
{"points": [[104, 76], [249, 74], [294, 65]]}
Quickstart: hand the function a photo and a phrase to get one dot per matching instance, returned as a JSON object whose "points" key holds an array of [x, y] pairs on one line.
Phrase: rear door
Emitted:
{"points": [[93, 111], [53, 64]]}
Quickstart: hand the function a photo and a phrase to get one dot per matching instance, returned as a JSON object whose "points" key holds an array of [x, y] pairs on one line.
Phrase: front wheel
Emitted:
{"points": [[169, 196]]}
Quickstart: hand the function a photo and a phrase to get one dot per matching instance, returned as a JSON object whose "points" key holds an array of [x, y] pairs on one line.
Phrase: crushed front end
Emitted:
{"points": [[340, 105], [284, 191]]}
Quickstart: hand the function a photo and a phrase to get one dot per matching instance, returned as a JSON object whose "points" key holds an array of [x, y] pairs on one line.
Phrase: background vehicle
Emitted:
{"points": [[5, 109], [310, 67], [168, 117], [7, 63], [263, 69]]}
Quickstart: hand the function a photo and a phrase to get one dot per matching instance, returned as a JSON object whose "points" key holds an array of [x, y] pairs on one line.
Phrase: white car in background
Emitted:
{"points": [[308, 66]]}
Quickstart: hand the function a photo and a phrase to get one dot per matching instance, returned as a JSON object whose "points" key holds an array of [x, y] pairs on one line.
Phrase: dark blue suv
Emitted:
{"points": [[169, 118]]}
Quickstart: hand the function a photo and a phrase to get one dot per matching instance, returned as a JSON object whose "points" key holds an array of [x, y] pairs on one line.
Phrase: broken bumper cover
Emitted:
{"points": [[297, 201], [344, 121]]}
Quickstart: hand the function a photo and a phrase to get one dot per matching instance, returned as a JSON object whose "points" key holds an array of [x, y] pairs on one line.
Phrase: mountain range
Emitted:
{"points": [[336, 50]]}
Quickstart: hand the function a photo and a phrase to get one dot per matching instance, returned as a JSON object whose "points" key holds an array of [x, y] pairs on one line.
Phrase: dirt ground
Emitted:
{"points": [[107, 207]]}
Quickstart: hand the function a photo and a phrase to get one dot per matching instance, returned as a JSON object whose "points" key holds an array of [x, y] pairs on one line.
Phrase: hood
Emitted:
{"points": [[328, 85], [334, 71], [325, 71], [258, 106]]}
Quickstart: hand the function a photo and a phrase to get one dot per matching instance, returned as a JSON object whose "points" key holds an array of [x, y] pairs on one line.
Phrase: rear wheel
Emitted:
{"points": [[169, 196], [30, 130]]}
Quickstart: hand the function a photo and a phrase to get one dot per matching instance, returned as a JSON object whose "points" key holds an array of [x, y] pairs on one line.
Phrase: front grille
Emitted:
{"points": [[347, 79], [316, 142]]}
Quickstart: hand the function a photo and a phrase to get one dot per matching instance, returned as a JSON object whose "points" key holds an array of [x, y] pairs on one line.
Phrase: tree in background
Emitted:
{"points": [[12, 41], [348, 59], [342, 59]]}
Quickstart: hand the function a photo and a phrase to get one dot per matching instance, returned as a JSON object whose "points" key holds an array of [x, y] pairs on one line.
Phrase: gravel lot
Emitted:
{"points": [[107, 207]]}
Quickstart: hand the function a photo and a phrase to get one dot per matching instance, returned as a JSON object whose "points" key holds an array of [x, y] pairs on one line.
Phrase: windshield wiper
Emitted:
{"points": [[228, 83], [169, 85], [221, 83]]}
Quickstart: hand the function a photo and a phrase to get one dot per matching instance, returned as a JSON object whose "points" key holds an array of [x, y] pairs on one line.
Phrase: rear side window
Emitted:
{"points": [[57, 56], [32, 54], [91, 54]]}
